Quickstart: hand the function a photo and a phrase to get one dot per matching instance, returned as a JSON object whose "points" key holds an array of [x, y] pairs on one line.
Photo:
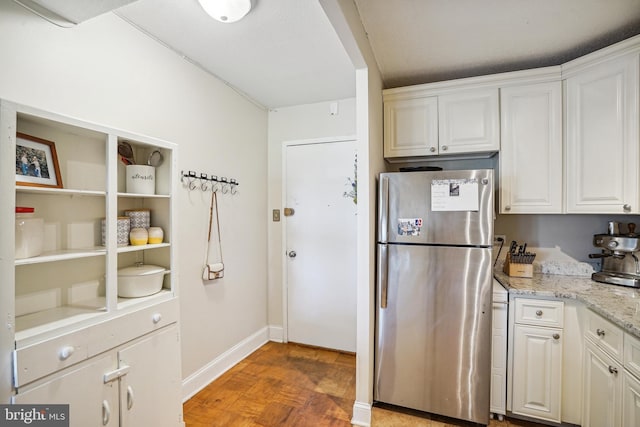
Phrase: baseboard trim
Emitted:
{"points": [[276, 333], [361, 414], [221, 364]]}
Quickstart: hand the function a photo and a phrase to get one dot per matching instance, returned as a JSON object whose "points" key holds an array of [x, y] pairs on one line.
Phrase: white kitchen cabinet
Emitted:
{"points": [[150, 391], [62, 306], [421, 122], [630, 401], [537, 372], [602, 121], [91, 401], [535, 359], [411, 127], [531, 148], [602, 388], [469, 122], [136, 385], [499, 326]]}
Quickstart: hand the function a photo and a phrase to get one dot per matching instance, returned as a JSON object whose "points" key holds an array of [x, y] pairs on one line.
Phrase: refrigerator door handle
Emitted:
{"points": [[382, 274], [383, 207]]}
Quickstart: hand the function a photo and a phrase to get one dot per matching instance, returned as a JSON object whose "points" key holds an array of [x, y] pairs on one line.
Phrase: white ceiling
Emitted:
{"points": [[422, 41], [285, 52]]}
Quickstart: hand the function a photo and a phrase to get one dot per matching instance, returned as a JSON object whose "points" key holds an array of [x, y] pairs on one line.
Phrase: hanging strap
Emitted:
{"points": [[214, 202]]}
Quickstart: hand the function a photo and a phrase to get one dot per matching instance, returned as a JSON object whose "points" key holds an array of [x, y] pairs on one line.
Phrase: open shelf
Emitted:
{"points": [[33, 324], [63, 255]]}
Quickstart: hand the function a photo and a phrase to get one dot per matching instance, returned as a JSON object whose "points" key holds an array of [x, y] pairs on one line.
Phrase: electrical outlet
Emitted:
{"points": [[496, 238]]}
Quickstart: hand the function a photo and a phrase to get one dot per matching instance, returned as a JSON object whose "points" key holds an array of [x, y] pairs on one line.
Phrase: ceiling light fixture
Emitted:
{"points": [[226, 11]]}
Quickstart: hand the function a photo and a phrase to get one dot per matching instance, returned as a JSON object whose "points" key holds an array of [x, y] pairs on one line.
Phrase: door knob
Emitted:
{"points": [[292, 254]]}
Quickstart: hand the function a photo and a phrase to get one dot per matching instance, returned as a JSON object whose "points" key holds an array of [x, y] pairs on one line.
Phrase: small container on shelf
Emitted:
{"points": [[155, 235], [140, 280], [139, 236], [29, 233], [140, 218], [124, 226], [141, 179]]}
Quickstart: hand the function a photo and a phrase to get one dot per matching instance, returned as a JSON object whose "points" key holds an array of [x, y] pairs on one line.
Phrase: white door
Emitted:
{"points": [[320, 243]]}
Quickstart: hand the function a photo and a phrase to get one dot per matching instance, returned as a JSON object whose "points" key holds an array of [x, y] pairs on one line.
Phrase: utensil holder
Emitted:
{"points": [[517, 270]]}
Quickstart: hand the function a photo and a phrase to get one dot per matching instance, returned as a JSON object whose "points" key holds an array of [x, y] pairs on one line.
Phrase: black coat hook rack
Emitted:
{"points": [[193, 180]]}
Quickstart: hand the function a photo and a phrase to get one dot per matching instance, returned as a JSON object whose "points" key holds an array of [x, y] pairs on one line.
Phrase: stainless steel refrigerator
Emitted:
{"points": [[434, 292]]}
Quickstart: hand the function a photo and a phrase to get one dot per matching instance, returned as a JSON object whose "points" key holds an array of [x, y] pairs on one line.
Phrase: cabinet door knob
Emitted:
{"points": [[538, 313], [600, 332], [156, 317], [613, 370], [106, 412], [444, 148], [129, 397], [66, 352], [626, 207], [556, 336], [432, 149], [507, 208]]}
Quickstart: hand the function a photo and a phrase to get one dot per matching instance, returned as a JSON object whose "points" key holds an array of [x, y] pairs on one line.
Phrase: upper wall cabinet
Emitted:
{"points": [[602, 136], [469, 122], [411, 127], [531, 148], [430, 120]]}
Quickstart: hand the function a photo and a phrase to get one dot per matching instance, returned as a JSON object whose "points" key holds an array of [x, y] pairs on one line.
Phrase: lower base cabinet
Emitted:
{"points": [[630, 400], [602, 389], [537, 375], [135, 385]]}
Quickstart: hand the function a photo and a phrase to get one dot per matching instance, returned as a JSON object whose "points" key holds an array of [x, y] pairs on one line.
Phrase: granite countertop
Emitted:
{"points": [[619, 304]]}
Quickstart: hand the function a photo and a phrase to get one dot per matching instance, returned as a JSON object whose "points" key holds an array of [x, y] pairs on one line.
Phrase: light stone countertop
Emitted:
{"points": [[619, 304]]}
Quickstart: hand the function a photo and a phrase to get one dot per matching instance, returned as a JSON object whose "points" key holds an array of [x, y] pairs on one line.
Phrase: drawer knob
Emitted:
{"points": [[613, 370], [600, 332], [556, 336], [538, 313], [66, 352], [157, 317]]}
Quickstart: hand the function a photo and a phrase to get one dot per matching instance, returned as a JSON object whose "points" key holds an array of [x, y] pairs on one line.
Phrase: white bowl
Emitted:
{"points": [[140, 280]]}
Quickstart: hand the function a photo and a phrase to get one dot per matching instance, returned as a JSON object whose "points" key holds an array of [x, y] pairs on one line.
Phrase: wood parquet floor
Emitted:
{"points": [[297, 386]]}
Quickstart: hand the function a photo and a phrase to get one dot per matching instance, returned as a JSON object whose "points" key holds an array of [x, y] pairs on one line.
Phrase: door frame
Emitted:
{"points": [[283, 255]]}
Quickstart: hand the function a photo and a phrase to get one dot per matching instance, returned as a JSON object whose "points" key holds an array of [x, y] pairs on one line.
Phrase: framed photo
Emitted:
{"points": [[36, 162]]}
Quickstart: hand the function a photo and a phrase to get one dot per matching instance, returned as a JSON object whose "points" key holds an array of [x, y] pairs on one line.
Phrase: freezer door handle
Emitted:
{"points": [[383, 208], [382, 274]]}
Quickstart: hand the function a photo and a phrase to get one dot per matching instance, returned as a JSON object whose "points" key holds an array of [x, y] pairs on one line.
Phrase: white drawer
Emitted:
{"points": [[632, 354], [539, 312], [40, 359], [605, 335], [124, 328]]}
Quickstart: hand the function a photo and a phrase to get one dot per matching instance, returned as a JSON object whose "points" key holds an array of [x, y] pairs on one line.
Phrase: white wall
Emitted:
{"points": [[292, 124], [344, 17], [105, 71]]}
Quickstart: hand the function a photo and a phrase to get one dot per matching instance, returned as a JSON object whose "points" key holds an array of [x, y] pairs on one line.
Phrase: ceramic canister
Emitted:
{"points": [[141, 179], [139, 236], [124, 225], [155, 235], [140, 218]]}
